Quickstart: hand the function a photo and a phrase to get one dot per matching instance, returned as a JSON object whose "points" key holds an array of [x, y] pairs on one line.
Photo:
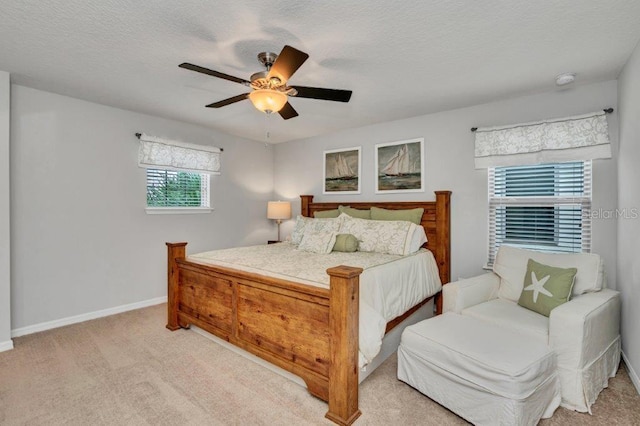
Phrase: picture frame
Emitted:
{"points": [[342, 171], [399, 166]]}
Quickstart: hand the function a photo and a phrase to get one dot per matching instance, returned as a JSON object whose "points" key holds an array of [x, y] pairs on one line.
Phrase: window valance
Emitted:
{"points": [[159, 153], [578, 138]]}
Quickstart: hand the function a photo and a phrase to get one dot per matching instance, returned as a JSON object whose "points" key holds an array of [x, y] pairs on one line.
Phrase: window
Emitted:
{"points": [[542, 207], [177, 191]]}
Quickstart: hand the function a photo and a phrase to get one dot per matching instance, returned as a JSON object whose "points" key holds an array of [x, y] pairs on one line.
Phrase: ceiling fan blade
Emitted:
{"points": [[228, 101], [287, 62], [287, 111], [213, 73], [325, 94]]}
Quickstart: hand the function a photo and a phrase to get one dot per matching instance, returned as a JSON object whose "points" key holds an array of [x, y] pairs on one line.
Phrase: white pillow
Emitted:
{"points": [[317, 241], [328, 225], [381, 236], [511, 265], [418, 238]]}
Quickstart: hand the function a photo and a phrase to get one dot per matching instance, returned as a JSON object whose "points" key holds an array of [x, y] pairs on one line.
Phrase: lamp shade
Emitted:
{"points": [[279, 210], [267, 100]]}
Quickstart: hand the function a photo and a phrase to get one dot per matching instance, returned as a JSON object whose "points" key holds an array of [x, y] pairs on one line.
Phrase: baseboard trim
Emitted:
{"points": [[632, 373], [6, 346], [43, 326]]}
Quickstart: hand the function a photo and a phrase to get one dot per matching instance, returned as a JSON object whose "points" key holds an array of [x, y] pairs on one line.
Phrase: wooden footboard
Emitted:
{"points": [[310, 331]]}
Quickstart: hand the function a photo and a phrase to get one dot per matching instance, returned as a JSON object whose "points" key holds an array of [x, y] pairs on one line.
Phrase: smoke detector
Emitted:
{"points": [[565, 78]]}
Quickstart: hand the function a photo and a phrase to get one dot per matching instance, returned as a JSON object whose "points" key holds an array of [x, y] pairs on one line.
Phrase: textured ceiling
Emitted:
{"points": [[400, 58]]}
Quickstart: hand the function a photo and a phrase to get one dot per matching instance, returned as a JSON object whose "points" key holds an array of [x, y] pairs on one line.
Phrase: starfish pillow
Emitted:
{"points": [[546, 287]]}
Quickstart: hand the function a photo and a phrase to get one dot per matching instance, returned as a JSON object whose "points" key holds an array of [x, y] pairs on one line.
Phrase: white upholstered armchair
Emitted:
{"points": [[583, 332]]}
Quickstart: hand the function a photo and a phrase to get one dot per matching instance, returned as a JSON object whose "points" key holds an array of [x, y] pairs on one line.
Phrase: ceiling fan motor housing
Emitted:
{"points": [[259, 80], [267, 59]]}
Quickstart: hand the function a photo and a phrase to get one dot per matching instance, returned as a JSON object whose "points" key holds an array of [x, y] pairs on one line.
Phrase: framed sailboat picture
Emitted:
{"points": [[342, 171], [400, 166]]}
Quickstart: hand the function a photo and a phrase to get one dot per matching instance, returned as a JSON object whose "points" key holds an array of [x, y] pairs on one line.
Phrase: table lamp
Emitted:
{"points": [[279, 210]]}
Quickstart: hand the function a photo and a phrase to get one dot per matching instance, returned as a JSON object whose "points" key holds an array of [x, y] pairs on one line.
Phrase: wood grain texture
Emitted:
{"points": [[309, 331], [174, 251], [294, 329], [344, 328], [209, 298]]}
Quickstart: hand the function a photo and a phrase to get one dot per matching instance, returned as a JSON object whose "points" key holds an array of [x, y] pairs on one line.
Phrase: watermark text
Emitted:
{"points": [[623, 213]]}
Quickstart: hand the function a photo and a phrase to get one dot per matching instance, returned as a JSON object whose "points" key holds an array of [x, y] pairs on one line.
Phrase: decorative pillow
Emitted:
{"points": [[546, 287], [511, 262], [392, 237], [326, 214], [346, 242], [317, 241], [411, 215], [302, 223], [360, 214]]}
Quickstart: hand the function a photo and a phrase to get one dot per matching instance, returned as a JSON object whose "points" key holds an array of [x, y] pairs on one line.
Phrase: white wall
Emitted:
{"points": [[5, 253], [449, 147], [629, 203], [82, 241]]}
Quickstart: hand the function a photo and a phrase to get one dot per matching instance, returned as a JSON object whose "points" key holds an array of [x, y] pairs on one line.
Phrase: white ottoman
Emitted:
{"points": [[486, 374]]}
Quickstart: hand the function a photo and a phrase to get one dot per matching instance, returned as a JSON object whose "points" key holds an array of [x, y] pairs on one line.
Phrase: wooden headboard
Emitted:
{"points": [[435, 220]]}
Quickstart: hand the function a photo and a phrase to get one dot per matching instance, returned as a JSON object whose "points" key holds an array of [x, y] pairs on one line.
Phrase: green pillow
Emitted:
{"points": [[360, 214], [326, 214], [546, 287], [346, 242], [410, 215]]}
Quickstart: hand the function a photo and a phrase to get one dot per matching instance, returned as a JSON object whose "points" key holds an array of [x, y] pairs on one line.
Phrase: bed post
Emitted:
{"points": [[305, 201], [174, 251], [344, 303], [443, 256]]}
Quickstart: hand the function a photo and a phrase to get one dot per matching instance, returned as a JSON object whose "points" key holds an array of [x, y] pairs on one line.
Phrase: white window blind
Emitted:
{"points": [[169, 188], [542, 207]]}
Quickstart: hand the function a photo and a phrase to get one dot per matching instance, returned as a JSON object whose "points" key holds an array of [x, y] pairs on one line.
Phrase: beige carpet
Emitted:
{"points": [[128, 369]]}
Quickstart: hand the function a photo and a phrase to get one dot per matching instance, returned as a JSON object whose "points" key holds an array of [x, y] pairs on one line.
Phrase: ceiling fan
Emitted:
{"points": [[270, 91]]}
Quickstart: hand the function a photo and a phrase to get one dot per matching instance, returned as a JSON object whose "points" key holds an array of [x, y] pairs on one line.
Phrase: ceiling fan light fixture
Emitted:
{"points": [[267, 100], [269, 91]]}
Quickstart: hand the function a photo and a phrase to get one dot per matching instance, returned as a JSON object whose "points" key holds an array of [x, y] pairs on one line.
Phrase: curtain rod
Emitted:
{"points": [[140, 134], [607, 110]]}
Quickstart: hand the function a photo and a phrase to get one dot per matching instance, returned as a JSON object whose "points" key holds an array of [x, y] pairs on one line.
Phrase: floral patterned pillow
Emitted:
{"points": [[380, 236], [317, 241], [302, 223]]}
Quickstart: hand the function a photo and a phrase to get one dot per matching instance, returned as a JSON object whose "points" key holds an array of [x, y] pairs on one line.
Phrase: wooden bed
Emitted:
{"points": [[309, 331]]}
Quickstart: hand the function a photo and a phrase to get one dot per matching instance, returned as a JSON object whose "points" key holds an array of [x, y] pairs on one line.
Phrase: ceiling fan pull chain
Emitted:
{"points": [[267, 133]]}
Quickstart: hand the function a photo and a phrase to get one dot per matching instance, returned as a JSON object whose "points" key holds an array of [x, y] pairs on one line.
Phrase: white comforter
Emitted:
{"points": [[389, 285]]}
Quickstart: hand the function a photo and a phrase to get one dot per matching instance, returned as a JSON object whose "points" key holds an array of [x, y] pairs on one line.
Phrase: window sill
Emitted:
{"points": [[178, 210]]}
